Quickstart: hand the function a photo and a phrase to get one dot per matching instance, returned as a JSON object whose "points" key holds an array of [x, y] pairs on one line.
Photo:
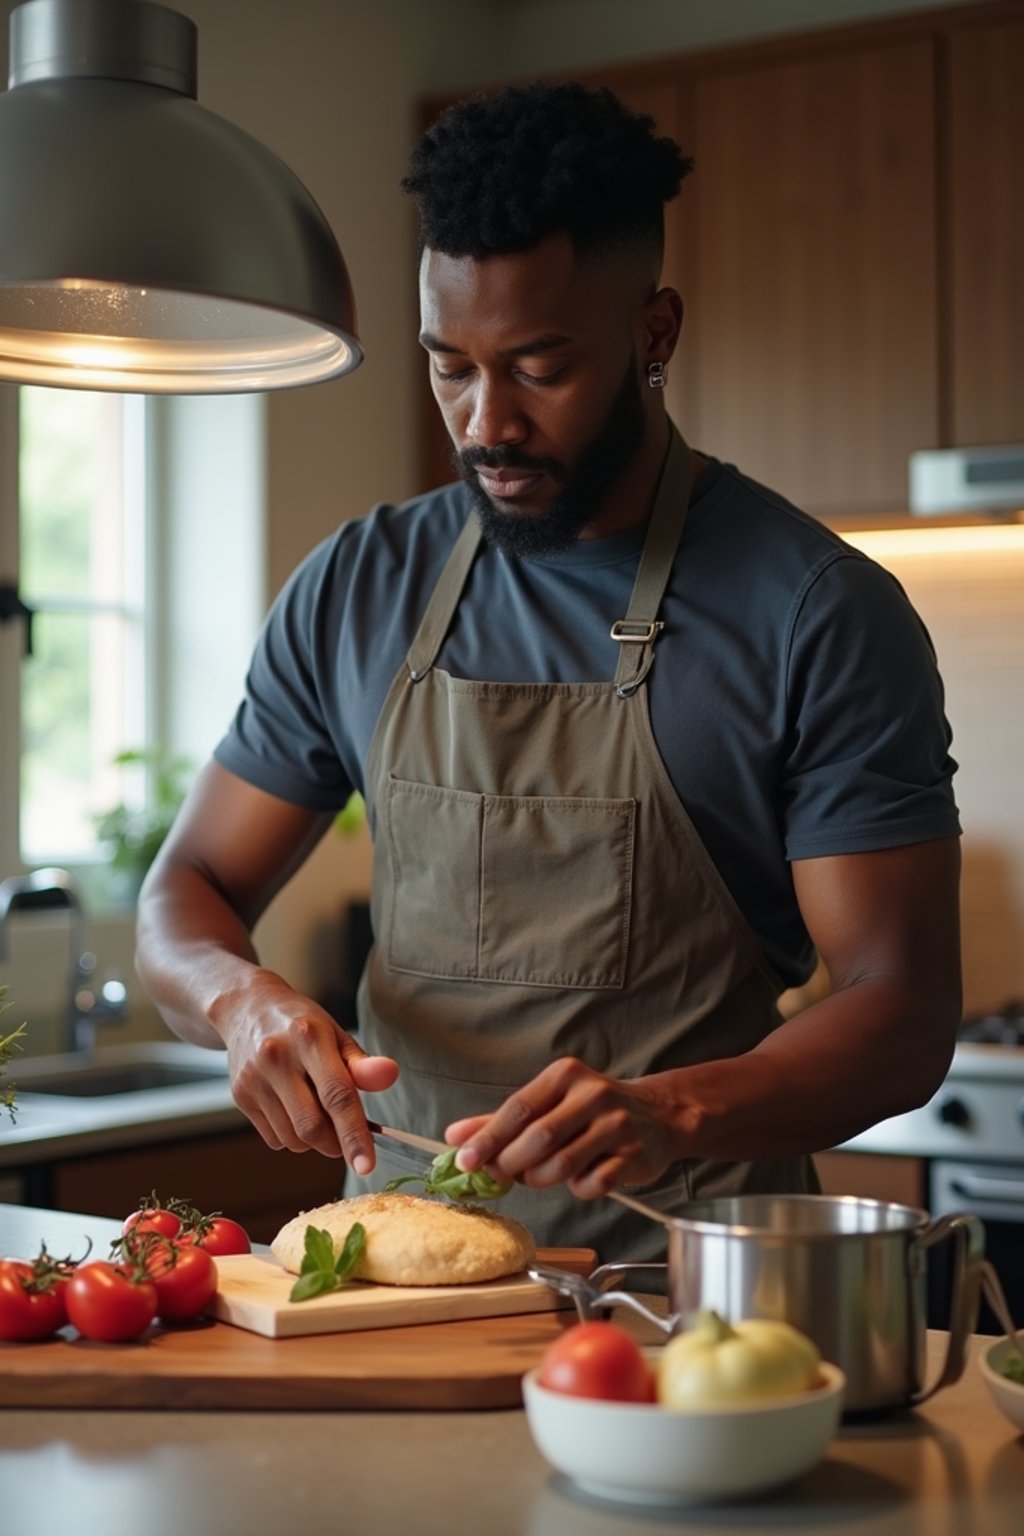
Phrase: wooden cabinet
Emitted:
{"points": [[814, 331], [873, 1176], [984, 229], [234, 1172], [850, 250]]}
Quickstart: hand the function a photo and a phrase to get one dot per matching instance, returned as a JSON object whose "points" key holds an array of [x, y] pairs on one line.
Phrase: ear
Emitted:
{"points": [[663, 322]]}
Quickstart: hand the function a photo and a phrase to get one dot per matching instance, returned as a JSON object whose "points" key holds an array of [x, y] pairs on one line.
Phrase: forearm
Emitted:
{"points": [[194, 954], [867, 1052]]}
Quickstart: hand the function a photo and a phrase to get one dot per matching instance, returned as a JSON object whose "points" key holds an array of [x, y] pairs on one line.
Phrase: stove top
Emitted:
{"points": [[1001, 1026]]}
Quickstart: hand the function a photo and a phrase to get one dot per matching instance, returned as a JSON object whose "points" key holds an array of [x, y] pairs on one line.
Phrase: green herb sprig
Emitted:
{"points": [[8, 1045], [1013, 1367], [320, 1271], [444, 1178]]}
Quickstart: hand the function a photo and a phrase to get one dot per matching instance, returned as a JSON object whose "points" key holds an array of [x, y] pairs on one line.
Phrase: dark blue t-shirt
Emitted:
{"points": [[794, 695]]}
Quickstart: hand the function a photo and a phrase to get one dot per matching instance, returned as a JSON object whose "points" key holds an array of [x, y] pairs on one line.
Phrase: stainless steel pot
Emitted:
{"points": [[849, 1273]]}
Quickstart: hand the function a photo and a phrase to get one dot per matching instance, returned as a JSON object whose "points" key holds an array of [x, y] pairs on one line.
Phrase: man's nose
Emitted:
{"points": [[494, 418]]}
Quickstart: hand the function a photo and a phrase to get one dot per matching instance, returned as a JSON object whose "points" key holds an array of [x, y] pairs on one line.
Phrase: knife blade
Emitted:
{"points": [[424, 1148]]}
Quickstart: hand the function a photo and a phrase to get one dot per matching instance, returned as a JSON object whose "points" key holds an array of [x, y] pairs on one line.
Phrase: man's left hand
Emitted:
{"points": [[570, 1125]]}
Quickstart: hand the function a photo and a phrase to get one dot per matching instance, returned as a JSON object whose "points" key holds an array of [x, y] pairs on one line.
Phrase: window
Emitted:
{"points": [[82, 527], [134, 528]]}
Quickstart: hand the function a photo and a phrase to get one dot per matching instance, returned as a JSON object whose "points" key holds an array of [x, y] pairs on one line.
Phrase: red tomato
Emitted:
{"points": [[25, 1311], [104, 1303], [597, 1360], [220, 1235], [185, 1278], [153, 1220]]}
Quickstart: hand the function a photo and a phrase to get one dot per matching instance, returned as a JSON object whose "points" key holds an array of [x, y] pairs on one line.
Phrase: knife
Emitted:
{"points": [[426, 1150]]}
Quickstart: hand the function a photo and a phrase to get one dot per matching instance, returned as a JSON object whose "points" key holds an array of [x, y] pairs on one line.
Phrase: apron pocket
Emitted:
{"points": [[556, 880], [524, 890], [434, 906]]}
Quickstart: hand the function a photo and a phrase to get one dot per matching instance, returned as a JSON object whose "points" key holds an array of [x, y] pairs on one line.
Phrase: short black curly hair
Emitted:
{"points": [[497, 174]]}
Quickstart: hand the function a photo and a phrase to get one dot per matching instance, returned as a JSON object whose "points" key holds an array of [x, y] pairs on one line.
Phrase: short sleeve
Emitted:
{"points": [[868, 762], [280, 739]]}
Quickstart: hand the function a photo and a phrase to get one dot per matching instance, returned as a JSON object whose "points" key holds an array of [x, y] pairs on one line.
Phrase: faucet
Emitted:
{"points": [[46, 890]]}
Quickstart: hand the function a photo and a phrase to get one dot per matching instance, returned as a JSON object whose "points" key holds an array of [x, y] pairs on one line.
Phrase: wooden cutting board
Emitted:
{"points": [[476, 1363], [252, 1293]]}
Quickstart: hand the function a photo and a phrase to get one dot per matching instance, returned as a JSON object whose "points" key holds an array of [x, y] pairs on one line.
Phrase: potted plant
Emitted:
{"points": [[134, 833]]}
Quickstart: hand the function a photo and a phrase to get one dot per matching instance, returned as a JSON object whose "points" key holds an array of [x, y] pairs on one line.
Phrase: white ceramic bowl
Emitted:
{"points": [[1008, 1394], [645, 1454]]}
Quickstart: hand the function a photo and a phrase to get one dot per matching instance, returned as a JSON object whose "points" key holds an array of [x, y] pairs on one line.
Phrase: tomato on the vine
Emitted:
{"points": [[30, 1307], [185, 1278], [109, 1302], [153, 1219], [597, 1360], [220, 1235], [184, 1222]]}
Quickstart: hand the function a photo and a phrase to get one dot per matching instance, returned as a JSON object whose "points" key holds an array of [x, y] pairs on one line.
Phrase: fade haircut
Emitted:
{"points": [[497, 174]]}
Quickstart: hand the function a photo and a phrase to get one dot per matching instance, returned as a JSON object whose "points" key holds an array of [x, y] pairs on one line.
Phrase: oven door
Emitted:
{"points": [[995, 1194]]}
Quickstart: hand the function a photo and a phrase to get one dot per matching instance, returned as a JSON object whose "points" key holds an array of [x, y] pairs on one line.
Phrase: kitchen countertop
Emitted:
{"points": [[47, 1127], [955, 1467]]}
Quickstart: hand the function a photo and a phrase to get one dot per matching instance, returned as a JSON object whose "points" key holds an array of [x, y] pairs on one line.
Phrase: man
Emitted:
{"points": [[636, 739]]}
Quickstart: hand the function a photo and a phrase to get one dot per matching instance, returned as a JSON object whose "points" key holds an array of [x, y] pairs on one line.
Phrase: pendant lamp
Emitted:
{"points": [[147, 244]]}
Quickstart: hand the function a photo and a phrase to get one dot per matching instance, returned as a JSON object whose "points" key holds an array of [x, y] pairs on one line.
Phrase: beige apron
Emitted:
{"points": [[539, 891]]}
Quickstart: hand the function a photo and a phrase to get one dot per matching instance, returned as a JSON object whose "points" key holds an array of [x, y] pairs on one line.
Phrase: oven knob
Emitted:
{"points": [[954, 1112]]}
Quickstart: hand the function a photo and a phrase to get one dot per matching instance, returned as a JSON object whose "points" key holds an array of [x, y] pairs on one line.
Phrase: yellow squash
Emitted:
{"points": [[713, 1363]]}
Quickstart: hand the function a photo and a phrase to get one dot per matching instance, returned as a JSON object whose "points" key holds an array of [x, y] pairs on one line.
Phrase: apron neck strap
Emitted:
{"points": [[443, 601], [637, 632]]}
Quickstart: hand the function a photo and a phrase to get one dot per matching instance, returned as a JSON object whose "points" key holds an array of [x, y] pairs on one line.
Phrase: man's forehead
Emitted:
{"points": [[541, 290]]}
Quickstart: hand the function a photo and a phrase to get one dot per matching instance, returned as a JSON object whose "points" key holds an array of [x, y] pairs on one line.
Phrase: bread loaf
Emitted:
{"points": [[414, 1241]]}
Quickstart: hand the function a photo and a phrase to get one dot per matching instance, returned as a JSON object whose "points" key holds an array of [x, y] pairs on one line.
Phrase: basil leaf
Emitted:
{"points": [[318, 1251], [351, 1253], [320, 1271], [315, 1283]]}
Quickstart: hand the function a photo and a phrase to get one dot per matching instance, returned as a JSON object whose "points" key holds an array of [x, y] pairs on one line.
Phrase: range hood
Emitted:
{"points": [[982, 480]]}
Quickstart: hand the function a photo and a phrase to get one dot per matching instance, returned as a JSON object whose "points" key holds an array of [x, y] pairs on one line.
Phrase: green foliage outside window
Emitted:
{"points": [[134, 833]]}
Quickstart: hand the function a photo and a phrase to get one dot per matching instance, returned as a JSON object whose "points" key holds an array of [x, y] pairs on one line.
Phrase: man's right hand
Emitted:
{"points": [[294, 1071], [296, 1074]]}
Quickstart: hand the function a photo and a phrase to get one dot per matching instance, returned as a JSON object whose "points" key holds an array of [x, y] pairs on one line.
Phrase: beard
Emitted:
{"points": [[582, 487]]}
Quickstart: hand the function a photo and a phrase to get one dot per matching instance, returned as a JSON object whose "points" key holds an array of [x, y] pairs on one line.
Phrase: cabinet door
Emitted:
{"points": [[871, 1176], [233, 1171], [986, 233], [815, 319]]}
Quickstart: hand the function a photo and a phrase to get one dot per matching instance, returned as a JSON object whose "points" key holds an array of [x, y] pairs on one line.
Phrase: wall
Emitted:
{"points": [[541, 36], [968, 587]]}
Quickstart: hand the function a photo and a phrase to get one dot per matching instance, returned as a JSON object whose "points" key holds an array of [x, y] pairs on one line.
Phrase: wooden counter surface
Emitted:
{"points": [[955, 1467]]}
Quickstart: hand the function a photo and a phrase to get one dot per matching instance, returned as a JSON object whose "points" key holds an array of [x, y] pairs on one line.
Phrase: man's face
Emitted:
{"points": [[534, 366]]}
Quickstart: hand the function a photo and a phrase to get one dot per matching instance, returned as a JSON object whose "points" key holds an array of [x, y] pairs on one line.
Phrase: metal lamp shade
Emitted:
{"points": [[147, 244]]}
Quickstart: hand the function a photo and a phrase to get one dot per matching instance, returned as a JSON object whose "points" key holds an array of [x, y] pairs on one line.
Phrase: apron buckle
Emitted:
{"points": [[635, 631]]}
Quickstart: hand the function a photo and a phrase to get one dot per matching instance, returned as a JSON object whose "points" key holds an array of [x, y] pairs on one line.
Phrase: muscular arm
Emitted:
{"points": [[886, 925], [294, 1071]]}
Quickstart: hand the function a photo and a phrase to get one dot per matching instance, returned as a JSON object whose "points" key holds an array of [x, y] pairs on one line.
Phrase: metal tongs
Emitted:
{"points": [[592, 1294]]}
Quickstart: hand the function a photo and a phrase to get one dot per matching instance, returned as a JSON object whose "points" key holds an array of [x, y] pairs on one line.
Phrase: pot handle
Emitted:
{"points": [[969, 1235], [592, 1301]]}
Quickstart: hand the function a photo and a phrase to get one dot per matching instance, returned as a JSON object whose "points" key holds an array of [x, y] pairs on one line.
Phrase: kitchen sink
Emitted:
{"points": [[98, 1082], [143, 1068]]}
